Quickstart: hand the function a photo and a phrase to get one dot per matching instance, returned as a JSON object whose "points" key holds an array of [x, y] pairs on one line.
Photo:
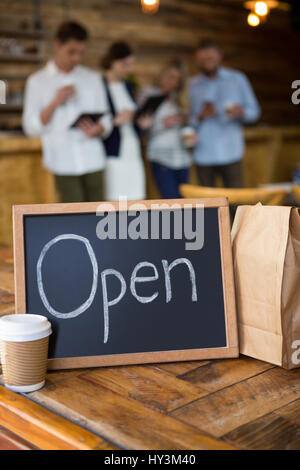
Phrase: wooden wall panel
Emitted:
{"points": [[268, 54]]}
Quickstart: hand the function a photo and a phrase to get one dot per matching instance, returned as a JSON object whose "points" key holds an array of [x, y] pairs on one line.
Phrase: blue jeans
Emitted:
{"points": [[169, 180]]}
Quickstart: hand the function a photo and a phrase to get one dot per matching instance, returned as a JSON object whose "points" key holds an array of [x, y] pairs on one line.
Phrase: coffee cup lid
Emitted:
{"points": [[187, 131], [24, 327]]}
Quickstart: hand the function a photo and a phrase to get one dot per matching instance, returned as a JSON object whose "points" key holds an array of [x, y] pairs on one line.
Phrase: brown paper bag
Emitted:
{"points": [[266, 253]]}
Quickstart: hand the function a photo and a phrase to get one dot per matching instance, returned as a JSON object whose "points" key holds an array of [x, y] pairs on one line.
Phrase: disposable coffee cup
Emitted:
{"points": [[188, 136], [24, 340], [229, 105]]}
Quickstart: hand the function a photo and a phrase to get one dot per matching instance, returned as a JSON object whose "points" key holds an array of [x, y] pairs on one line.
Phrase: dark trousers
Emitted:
{"points": [[82, 188], [169, 180], [232, 174]]}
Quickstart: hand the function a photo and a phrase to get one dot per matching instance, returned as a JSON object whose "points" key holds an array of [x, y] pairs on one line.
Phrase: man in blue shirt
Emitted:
{"points": [[221, 100]]}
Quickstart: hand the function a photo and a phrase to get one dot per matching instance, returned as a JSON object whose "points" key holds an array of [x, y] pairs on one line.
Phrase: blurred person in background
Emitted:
{"points": [[124, 173], [169, 158], [221, 101], [55, 97]]}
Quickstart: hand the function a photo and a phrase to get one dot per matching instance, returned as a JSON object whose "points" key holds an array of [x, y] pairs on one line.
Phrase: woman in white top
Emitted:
{"points": [[169, 158], [124, 173]]}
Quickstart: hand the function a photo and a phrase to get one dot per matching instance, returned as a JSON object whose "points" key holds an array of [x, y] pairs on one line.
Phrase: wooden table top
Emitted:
{"points": [[220, 404]]}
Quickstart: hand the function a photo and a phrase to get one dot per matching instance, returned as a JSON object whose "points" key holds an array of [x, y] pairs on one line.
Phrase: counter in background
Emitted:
{"points": [[272, 154], [22, 179]]}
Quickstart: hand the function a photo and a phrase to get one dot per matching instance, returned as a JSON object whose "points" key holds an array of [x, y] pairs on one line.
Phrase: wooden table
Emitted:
{"points": [[220, 404]]}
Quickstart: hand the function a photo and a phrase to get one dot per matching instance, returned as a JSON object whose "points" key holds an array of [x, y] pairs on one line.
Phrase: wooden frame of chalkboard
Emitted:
{"points": [[231, 349]]}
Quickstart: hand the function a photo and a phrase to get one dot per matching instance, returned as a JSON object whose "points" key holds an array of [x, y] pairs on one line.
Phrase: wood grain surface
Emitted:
{"points": [[219, 404], [268, 55], [9, 441], [43, 428]]}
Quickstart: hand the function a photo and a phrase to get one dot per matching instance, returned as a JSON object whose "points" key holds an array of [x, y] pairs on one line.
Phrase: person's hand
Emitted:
{"points": [[145, 122], [90, 129], [235, 112], [190, 140], [207, 111], [173, 120], [123, 117], [64, 94]]}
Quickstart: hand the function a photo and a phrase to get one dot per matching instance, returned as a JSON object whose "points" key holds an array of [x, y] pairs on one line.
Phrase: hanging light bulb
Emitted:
{"points": [[253, 20], [261, 8], [150, 6]]}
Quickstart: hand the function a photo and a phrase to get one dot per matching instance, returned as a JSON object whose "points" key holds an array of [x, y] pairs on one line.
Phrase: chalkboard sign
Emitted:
{"points": [[128, 283]]}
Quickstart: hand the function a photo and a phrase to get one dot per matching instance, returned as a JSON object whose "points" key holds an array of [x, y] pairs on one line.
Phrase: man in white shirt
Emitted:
{"points": [[55, 97]]}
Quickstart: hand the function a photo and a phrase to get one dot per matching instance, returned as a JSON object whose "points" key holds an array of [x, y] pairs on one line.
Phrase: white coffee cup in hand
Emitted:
{"points": [[189, 136]]}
